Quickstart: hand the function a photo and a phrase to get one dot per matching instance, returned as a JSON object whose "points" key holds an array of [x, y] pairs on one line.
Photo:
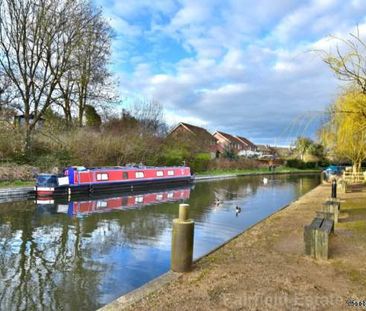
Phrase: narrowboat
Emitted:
{"points": [[86, 205], [80, 180]]}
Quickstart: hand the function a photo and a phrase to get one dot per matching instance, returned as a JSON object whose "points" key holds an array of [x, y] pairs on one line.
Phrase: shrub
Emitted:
{"points": [[242, 163], [295, 163], [11, 144], [200, 162]]}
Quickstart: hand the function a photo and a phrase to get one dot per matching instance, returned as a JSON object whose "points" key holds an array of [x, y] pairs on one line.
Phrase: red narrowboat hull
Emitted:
{"points": [[77, 181]]}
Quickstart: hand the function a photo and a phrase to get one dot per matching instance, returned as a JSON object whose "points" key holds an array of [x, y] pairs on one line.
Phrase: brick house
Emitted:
{"points": [[267, 150], [248, 144], [197, 137], [233, 143]]}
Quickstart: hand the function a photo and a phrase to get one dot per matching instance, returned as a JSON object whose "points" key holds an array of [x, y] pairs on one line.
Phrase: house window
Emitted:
{"points": [[159, 173], [125, 175], [170, 173], [102, 176], [139, 174]]}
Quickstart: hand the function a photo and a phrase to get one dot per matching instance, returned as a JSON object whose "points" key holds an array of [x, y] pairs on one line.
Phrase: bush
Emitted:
{"points": [[11, 144], [295, 163], [200, 162], [242, 163], [171, 157]]}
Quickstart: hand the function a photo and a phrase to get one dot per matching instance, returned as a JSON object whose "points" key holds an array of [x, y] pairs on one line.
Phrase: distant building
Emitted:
{"points": [[200, 138], [236, 144], [267, 151], [215, 144], [249, 145]]}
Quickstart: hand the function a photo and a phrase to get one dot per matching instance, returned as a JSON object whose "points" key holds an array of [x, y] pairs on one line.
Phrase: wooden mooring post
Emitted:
{"points": [[331, 208], [182, 241], [316, 238]]}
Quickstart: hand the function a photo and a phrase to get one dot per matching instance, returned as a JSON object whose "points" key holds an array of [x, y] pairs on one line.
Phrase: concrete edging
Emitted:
{"points": [[141, 292], [7, 194]]}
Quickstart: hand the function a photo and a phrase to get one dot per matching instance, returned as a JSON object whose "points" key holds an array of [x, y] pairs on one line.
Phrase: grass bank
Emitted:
{"points": [[15, 183], [264, 170]]}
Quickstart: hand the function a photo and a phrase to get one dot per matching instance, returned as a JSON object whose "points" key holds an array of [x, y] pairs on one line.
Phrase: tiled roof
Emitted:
{"points": [[229, 137], [199, 131], [245, 140]]}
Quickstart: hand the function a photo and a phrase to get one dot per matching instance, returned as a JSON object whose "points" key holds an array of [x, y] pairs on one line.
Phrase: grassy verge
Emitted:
{"points": [[16, 183], [264, 170]]}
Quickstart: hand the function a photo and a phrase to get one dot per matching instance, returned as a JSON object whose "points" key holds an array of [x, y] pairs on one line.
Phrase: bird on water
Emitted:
{"points": [[237, 210]]}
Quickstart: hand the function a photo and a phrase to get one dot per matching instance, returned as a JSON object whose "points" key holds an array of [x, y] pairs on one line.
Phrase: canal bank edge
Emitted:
{"points": [[226, 176], [9, 194], [125, 301], [142, 292]]}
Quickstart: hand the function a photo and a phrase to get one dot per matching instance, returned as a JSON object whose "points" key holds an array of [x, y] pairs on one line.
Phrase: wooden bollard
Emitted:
{"points": [[332, 207], [182, 241]]}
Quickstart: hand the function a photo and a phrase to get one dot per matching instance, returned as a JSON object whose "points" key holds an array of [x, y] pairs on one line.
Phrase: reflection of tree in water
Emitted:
{"points": [[43, 267], [48, 260]]}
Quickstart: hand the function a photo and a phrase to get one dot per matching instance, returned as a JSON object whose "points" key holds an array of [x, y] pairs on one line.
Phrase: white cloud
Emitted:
{"points": [[249, 67]]}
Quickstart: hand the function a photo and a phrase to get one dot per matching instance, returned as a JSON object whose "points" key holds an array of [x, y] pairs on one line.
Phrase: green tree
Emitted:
{"points": [[345, 132], [93, 119], [302, 144]]}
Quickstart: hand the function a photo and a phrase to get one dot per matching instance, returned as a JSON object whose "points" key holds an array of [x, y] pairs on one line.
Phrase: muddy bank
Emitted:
{"points": [[265, 269]]}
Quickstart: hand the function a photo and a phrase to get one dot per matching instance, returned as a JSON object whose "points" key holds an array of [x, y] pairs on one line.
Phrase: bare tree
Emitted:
{"points": [[92, 60], [87, 81], [348, 60], [34, 51], [7, 94], [150, 115]]}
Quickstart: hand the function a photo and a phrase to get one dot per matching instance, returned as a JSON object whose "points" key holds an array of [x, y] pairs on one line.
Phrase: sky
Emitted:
{"points": [[244, 67]]}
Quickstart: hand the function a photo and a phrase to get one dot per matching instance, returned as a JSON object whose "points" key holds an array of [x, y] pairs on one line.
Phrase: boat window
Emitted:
{"points": [[47, 180], [159, 173], [139, 199], [102, 204], [139, 174], [125, 175], [102, 176], [170, 173]]}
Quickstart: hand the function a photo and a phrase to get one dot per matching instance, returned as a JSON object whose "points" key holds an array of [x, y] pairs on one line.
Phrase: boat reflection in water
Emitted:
{"points": [[80, 206]]}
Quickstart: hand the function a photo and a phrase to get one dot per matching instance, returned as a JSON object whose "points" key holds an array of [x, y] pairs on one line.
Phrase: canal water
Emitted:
{"points": [[81, 255]]}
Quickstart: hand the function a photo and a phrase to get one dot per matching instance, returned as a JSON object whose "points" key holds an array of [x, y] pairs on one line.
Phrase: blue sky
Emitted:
{"points": [[244, 67]]}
